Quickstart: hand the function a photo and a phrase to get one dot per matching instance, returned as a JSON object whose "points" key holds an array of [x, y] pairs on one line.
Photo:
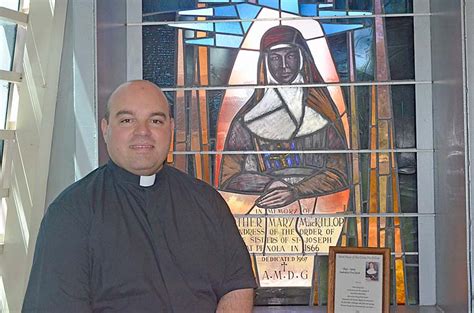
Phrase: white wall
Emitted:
{"points": [[449, 144]]}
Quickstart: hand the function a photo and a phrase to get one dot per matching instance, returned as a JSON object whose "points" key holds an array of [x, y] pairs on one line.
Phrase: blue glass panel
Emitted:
{"points": [[238, 1], [290, 6], [359, 13], [332, 13], [228, 41], [213, 1], [246, 25], [326, 5], [201, 41], [200, 12], [197, 26], [331, 29], [308, 9], [229, 28], [247, 10], [270, 3], [225, 11]]}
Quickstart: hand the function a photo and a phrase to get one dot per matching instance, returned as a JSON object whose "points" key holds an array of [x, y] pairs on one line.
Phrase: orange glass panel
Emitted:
{"points": [[169, 158], [203, 66], [323, 59], [338, 98], [333, 203], [373, 232], [233, 101], [395, 195], [398, 241], [246, 62], [373, 192], [180, 59]]}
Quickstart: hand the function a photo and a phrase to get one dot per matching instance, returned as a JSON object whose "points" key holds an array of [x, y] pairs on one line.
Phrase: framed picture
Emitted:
{"points": [[359, 280]]}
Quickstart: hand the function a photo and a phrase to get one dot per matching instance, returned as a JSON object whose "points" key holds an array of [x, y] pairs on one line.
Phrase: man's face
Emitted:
{"points": [[284, 64], [138, 132]]}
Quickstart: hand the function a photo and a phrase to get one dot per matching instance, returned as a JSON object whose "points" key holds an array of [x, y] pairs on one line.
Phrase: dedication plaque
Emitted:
{"points": [[358, 280]]}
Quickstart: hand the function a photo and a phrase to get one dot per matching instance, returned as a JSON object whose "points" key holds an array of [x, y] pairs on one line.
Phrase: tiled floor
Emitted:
{"points": [[306, 309]]}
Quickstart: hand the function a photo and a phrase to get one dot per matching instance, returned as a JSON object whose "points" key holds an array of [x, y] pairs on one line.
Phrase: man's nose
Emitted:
{"points": [[285, 64], [142, 128]]}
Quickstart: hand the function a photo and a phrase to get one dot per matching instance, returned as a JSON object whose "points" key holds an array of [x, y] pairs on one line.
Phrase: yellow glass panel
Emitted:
{"points": [[384, 103], [382, 233], [206, 175], [195, 133], [373, 107], [383, 194], [354, 121], [373, 192], [383, 134], [400, 281], [180, 133]]}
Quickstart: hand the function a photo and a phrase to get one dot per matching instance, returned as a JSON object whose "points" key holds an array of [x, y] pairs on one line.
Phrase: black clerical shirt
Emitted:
{"points": [[107, 244]]}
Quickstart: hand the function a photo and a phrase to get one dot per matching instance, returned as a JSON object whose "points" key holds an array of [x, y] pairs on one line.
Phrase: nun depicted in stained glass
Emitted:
{"points": [[286, 119]]}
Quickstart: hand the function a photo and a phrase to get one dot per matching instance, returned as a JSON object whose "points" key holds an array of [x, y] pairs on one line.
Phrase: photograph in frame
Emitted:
{"points": [[359, 280]]}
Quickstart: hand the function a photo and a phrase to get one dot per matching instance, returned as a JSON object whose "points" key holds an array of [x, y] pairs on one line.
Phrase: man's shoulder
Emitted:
{"points": [[81, 189]]}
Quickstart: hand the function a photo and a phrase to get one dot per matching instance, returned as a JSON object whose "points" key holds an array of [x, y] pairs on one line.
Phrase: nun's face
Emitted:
{"points": [[284, 64]]}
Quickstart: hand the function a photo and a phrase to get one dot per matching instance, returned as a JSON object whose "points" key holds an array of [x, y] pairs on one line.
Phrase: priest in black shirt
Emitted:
{"points": [[136, 235]]}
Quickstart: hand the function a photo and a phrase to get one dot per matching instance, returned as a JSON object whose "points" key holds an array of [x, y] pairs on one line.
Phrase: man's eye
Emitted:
{"points": [[126, 121], [157, 121]]}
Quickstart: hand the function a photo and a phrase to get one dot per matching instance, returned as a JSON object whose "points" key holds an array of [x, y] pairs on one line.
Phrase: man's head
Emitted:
{"points": [[137, 127]]}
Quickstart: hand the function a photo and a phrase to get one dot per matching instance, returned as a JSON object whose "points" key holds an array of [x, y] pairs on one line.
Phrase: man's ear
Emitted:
{"points": [[104, 126]]}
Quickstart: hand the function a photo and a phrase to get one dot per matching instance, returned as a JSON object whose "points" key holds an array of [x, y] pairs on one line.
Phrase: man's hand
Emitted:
{"points": [[236, 301]]}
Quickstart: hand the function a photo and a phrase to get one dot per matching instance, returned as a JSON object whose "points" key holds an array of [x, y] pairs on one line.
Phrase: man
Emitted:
{"points": [[136, 235]]}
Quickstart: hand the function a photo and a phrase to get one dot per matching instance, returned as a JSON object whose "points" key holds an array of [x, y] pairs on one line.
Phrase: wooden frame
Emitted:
{"points": [[361, 288]]}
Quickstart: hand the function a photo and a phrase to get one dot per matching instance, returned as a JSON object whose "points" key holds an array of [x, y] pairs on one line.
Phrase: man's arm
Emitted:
{"points": [[240, 300], [59, 279]]}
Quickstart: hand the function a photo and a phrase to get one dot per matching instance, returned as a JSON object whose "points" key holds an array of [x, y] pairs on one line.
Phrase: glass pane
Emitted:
{"points": [[163, 8], [279, 150], [10, 4], [7, 44], [342, 50]]}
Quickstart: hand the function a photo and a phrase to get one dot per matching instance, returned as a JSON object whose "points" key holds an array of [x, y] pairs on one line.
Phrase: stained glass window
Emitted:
{"points": [[302, 115]]}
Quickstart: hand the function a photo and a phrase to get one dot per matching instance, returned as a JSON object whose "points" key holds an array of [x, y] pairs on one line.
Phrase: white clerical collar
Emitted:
{"points": [[147, 181]]}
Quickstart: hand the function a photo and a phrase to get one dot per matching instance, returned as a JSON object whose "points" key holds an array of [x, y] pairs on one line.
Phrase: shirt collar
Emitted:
{"points": [[122, 175]]}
